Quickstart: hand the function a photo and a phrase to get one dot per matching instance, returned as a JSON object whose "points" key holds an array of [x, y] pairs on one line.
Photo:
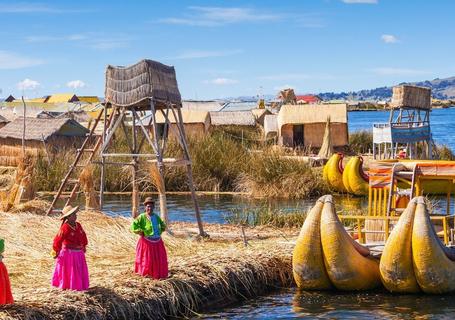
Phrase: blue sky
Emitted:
{"points": [[226, 48]]}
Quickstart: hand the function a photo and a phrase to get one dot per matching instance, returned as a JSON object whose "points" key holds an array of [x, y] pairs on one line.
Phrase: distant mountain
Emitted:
{"points": [[440, 89]]}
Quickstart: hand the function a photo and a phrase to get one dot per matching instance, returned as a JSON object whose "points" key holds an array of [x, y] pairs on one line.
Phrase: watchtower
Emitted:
{"points": [[131, 94], [409, 125]]}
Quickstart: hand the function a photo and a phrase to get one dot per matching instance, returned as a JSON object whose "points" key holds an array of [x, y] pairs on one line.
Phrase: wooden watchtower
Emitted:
{"points": [[145, 88], [409, 125]]}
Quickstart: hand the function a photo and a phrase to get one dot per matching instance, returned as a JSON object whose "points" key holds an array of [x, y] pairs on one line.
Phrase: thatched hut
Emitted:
{"points": [[3, 121], [10, 98], [304, 125], [195, 123], [49, 135]]}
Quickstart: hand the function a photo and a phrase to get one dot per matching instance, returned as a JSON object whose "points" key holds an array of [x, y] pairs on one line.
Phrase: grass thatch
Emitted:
{"points": [[203, 273]]}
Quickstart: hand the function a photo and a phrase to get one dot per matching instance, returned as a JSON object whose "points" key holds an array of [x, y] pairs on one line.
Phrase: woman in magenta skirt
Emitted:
{"points": [[151, 256], [71, 270]]}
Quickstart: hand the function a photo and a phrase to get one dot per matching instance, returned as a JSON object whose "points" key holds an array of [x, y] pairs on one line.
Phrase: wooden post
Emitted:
{"points": [[103, 159], [159, 162], [135, 195], [189, 172], [23, 128]]}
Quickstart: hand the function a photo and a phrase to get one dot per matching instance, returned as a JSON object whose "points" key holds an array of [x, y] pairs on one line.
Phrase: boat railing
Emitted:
{"points": [[389, 223]]}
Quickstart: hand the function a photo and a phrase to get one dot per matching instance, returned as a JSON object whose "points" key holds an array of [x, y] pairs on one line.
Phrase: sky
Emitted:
{"points": [[226, 48]]}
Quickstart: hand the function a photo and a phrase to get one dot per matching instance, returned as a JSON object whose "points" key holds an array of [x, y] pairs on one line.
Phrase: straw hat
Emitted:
{"points": [[148, 200], [68, 210]]}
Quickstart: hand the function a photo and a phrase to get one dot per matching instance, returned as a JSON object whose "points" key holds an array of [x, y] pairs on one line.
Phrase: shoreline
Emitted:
{"points": [[205, 274]]}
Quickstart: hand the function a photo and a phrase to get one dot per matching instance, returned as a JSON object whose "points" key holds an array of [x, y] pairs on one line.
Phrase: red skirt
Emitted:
{"points": [[151, 258], [5, 288]]}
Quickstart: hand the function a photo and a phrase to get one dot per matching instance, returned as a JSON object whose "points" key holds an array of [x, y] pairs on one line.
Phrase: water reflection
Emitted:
{"points": [[291, 304]]}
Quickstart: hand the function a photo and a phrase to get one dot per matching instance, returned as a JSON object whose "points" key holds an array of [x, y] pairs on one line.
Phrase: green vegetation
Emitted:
{"points": [[265, 217], [224, 160], [360, 141]]}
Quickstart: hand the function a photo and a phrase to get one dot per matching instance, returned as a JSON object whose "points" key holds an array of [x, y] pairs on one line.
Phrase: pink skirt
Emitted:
{"points": [[5, 288], [151, 259], [71, 270]]}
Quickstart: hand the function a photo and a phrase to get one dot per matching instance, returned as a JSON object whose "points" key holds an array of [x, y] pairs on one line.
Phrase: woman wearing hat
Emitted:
{"points": [[5, 288], [71, 270], [151, 256]]}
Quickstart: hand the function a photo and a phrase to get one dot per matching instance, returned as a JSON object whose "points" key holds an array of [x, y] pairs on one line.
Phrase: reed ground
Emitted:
{"points": [[204, 273]]}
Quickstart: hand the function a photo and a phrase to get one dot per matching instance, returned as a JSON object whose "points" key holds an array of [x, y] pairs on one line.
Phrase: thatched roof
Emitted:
{"points": [[202, 105], [137, 84], [42, 129], [89, 99], [235, 118], [317, 113], [189, 116], [62, 98]]}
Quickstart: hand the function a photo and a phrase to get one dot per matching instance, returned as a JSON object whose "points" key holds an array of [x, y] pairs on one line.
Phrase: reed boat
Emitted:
{"points": [[307, 259], [349, 264], [325, 256], [396, 265], [333, 172], [355, 179]]}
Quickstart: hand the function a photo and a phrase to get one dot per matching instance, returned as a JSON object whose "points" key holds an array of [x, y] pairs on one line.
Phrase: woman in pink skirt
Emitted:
{"points": [[151, 256], [71, 270]]}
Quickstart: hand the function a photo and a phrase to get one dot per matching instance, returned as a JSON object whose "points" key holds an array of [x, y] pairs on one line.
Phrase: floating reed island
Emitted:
{"points": [[204, 273]]}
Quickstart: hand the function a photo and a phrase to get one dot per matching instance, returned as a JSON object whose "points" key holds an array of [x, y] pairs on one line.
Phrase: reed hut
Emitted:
{"points": [[10, 98], [89, 99], [304, 125], [233, 118], [41, 135], [259, 115], [195, 123]]}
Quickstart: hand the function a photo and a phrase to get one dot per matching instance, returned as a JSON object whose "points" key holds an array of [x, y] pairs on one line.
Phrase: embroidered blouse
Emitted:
{"points": [[2, 246], [152, 228], [71, 238]]}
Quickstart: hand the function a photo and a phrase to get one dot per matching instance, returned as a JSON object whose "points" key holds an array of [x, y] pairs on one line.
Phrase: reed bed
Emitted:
{"points": [[203, 273], [266, 217]]}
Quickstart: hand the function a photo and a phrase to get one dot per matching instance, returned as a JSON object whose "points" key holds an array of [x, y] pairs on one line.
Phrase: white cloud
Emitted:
{"points": [[9, 60], [389, 38], [217, 16], [76, 84], [221, 81], [390, 71], [361, 1], [28, 84], [198, 54], [71, 37]]}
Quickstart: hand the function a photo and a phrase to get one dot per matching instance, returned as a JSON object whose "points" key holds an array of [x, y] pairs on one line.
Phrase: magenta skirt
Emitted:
{"points": [[71, 270], [151, 259]]}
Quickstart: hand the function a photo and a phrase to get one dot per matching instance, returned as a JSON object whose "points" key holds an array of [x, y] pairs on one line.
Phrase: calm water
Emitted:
{"points": [[292, 304]]}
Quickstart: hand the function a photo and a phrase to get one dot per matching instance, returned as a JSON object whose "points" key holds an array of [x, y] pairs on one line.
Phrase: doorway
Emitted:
{"points": [[298, 135]]}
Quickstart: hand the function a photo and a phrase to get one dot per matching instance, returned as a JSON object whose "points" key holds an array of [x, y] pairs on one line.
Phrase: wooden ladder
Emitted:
{"points": [[71, 178], [411, 175]]}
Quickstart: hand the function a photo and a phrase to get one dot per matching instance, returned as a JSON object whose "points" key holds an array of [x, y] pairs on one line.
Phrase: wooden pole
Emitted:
{"points": [[189, 172], [135, 200], [103, 159], [23, 128], [159, 158]]}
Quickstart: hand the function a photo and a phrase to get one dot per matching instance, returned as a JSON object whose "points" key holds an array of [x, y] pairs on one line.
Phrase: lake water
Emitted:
{"points": [[292, 303]]}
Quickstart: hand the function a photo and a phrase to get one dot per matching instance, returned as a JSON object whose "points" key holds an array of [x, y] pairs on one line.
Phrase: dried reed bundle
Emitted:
{"points": [[327, 147], [25, 190], [411, 96], [203, 274], [86, 180], [158, 183]]}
